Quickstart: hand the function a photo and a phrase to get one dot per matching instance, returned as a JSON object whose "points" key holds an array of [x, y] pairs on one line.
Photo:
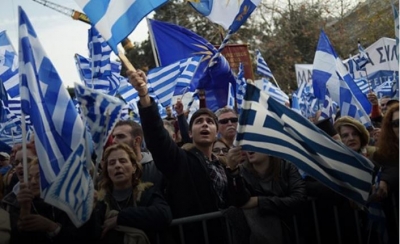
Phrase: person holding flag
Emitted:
{"points": [[198, 180]]}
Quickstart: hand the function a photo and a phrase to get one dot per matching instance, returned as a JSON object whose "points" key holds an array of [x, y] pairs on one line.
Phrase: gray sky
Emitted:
{"points": [[60, 35]]}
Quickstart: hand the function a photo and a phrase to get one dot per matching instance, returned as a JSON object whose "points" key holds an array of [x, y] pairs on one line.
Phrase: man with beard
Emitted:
{"points": [[227, 121]]}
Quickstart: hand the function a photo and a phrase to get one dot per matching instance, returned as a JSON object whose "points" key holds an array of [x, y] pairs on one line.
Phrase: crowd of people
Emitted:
{"points": [[171, 168]]}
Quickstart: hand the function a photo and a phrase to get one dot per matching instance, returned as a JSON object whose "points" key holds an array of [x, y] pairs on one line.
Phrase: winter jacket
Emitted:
{"points": [[150, 213], [189, 191]]}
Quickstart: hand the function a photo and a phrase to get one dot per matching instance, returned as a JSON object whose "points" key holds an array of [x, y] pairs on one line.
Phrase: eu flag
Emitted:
{"points": [[174, 43]]}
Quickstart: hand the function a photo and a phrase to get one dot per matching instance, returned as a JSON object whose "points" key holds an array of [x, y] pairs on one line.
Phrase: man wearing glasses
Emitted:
{"points": [[227, 121]]}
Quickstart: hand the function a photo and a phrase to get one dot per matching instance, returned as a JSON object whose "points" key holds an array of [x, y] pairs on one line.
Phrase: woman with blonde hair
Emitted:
{"points": [[127, 207]]}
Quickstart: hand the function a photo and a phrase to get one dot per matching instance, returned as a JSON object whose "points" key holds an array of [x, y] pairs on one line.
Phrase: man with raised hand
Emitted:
{"points": [[197, 180]]}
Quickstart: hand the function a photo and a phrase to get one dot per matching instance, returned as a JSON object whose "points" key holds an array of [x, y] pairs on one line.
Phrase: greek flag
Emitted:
{"points": [[384, 89], [101, 111], [362, 58], [230, 14], [99, 54], [14, 105], [107, 82], [128, 93], [65, 181], [274, 92], [174, 79], [11, 131], [266, 126], [4, 102], [240, 90], [262, 66], [115, 20], [330, 73], [329, 108], [240, 86], [362, 83], [8, 66]]}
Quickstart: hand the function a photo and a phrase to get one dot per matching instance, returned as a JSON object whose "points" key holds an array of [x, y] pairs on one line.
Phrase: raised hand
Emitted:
{"points": [[178, 107]]}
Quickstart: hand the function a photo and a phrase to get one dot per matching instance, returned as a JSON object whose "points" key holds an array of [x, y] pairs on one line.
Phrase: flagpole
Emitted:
{"points": [[369, 83], [221, 47], [152, 41], [276, 83], [126, 62]]}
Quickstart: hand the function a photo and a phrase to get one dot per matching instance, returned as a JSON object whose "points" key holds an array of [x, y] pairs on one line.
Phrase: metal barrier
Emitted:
{"points": [[299, 238]]}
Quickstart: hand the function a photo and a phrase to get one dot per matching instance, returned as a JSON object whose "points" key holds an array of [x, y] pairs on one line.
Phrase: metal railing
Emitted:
{"points": [[299, 238]]}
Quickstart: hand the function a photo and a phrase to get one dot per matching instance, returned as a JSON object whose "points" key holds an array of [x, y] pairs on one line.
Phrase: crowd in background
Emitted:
{"points": [[170, 168]]}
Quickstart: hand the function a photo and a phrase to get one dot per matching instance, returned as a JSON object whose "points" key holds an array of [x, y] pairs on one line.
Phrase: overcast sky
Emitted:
{"points": [[60, 35]]}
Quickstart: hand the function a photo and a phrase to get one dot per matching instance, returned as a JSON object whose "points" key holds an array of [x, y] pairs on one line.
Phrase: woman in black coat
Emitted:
{"points": [[126, 206], [278, 191]]}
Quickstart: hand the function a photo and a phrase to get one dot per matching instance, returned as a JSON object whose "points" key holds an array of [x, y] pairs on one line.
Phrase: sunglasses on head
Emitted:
{"points": [[225, 121], [395, 123]]}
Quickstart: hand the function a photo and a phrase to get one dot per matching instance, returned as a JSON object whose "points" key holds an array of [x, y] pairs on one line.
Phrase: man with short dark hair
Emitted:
{"points": [[197, 181], [131, 133]]}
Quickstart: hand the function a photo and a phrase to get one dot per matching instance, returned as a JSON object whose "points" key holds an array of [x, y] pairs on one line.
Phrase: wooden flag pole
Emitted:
{"points": [[126, 62]]}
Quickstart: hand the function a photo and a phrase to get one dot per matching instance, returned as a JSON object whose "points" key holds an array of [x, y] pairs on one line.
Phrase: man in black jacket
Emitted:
{"points": [[197, 180]]}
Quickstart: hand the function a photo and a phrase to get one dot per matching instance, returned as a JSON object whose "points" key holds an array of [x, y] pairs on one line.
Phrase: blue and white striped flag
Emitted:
{"points": [[329, 108], [274, 92], [65, 181], [107, 82], [101, 111], [163, 81], [304, 101], [362, 83], [8, 66], [266, 126], [99, 54], [128, 93], [115, 20], [262, 66], [330, 73], [14, 105], [4, 102], [241, 87], [362, 58], [384, 89]]}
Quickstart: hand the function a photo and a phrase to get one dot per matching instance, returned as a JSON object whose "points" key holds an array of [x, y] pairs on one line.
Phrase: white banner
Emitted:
{"points": [[303, 73], [384, 62]]}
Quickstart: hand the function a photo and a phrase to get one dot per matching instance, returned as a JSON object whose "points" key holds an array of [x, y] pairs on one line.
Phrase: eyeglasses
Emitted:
{"points": [[395, 123], [225, 121], [224, 150]]}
